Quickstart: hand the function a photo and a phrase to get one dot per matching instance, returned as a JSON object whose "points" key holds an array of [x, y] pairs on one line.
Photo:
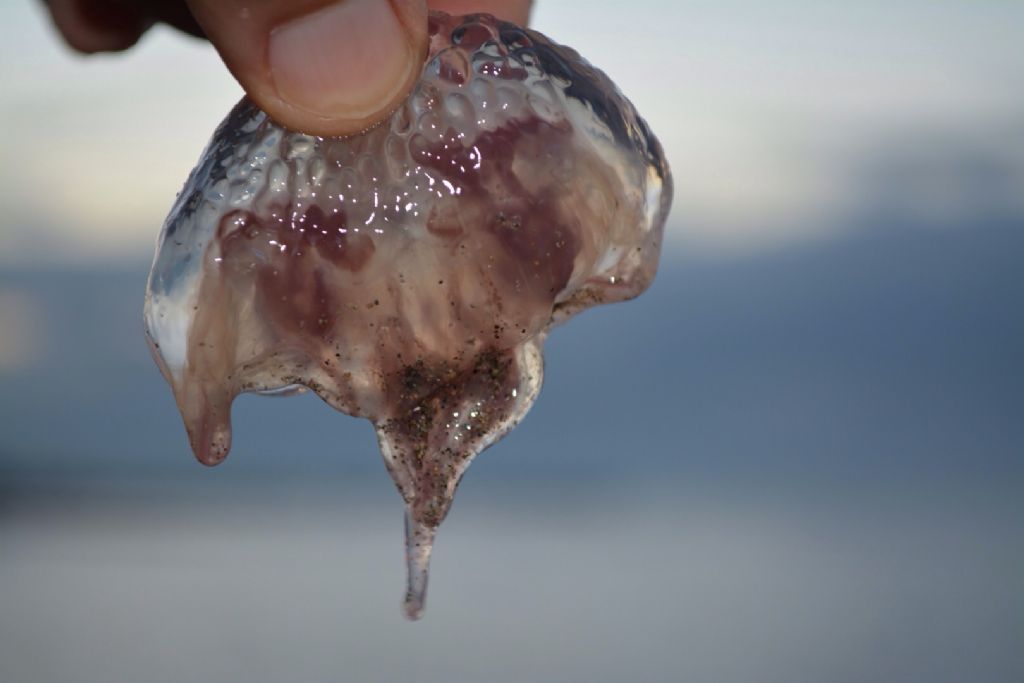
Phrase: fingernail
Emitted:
{"points": [[346, 60]]}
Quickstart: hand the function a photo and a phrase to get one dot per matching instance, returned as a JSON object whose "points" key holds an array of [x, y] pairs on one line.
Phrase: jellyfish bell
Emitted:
{"points": [[410, 274]]}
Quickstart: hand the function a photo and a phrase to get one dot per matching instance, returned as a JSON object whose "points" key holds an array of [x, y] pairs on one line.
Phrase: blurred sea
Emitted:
{"points": [[803, 464]]}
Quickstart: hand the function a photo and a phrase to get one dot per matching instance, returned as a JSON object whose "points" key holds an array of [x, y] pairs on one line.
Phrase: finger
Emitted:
{"points": [[97, 25], [172, 12], [319, 66]]}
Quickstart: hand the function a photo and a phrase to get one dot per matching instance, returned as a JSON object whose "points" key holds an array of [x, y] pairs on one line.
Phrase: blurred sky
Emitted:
{"points": [[769, 113]]}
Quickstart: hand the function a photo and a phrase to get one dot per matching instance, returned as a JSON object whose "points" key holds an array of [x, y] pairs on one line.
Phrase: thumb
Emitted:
{"points": [[323, 67]]}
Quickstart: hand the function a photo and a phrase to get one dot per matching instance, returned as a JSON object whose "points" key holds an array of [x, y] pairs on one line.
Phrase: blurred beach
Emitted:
{"points": [[798, 457], [799, 466]]}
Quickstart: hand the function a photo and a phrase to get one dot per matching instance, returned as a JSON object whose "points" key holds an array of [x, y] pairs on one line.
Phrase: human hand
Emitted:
{"points": [[324, 67]]}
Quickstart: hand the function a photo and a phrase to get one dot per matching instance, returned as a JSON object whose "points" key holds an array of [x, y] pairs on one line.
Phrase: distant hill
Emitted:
{"points": [[891, 346]]}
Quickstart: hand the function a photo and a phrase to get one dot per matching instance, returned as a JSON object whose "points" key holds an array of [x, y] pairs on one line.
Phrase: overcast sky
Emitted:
{"points": [[767, 111]]}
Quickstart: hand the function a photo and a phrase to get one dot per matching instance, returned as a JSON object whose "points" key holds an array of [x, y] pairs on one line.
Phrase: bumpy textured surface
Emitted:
{"points": [[410, 274]]}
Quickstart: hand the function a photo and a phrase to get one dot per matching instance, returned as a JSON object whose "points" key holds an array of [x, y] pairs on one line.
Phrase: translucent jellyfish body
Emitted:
{"points": [[410, 274]]}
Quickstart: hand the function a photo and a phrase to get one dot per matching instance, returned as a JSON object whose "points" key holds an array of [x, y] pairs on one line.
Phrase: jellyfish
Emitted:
{"points": [[410, 274]]}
